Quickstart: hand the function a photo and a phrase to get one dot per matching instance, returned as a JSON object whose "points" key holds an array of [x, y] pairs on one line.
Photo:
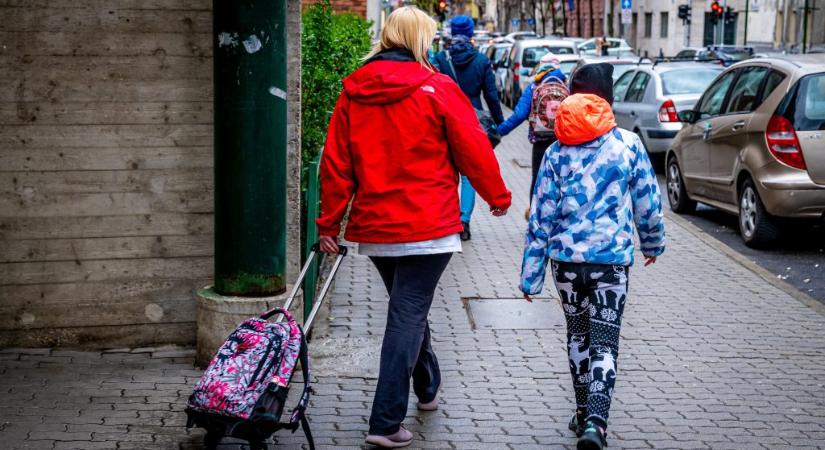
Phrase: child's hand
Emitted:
{"points": [[649, 260], [498, 212], [528, 298]]}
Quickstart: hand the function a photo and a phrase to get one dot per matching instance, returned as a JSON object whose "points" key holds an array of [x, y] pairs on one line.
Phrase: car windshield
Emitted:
{"points": [[561, 50], [688, 81]]}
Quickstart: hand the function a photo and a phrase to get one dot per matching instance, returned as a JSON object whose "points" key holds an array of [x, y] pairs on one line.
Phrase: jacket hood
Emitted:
{"points": [[462, 51], [553, 73], [582, 118], [385, 80]]}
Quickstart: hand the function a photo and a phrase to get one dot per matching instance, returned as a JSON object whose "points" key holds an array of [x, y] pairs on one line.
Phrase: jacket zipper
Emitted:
{"points": [[275, 361], [261, 363]]}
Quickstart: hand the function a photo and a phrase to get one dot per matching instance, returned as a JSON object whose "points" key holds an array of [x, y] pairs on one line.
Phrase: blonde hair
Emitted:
{"points": [[410, 28]]}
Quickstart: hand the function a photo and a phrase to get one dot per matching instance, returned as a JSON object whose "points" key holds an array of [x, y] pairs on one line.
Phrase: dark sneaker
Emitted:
{"points": [[465, 235], [593, 438], [576, 424]]}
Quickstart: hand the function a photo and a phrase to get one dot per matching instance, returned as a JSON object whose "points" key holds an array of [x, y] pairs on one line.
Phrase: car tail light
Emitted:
{"points": [[667, 112], [515, 72], [782, 142]]}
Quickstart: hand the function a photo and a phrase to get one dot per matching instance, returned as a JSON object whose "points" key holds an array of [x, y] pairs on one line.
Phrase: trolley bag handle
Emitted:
{"points": [[314, 250]]}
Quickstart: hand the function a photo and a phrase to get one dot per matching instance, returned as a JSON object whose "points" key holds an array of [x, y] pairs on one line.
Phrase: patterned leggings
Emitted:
{"points": [[593, 297]]}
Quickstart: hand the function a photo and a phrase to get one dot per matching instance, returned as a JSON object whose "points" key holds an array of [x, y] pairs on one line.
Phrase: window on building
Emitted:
{"points": [[664, 23], [648, 25]]}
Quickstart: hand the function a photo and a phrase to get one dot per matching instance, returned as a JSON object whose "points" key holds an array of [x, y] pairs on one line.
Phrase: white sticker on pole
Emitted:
{"points": [[627, 16]]}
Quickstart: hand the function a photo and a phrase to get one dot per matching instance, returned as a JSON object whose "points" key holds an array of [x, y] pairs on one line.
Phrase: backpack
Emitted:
{"points": [[243, 391], [485, 119], [547, 96]]}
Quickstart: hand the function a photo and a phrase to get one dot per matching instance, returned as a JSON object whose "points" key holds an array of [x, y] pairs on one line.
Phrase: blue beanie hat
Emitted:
{"points": [[462, 25]]}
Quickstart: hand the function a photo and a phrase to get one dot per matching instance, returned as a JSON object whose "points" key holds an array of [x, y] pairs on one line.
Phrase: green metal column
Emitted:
{"points": [[249, 41]]}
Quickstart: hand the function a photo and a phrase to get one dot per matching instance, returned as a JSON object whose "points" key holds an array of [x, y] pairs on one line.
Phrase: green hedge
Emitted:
{"points": [[332, 46]]}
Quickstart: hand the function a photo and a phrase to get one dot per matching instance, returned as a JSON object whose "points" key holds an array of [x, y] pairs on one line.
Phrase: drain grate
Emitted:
{"points": [[513, 313]]}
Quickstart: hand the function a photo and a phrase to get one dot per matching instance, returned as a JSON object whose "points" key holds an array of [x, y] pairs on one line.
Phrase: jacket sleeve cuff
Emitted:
{"points": [[327, 230]]}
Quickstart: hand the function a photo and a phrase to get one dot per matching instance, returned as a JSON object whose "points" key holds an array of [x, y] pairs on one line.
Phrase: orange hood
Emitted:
{"points": [[582, 118]]}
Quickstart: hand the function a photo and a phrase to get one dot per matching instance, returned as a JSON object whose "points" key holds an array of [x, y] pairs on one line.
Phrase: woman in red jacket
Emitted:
{"points": [[399, 136]]}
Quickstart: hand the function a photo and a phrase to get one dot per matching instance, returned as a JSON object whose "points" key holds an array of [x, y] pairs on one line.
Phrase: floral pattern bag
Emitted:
{"points": [[258, 355]]}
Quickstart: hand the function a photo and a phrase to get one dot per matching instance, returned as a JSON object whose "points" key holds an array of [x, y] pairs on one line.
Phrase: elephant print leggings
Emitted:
{"points": [[593, 297]]}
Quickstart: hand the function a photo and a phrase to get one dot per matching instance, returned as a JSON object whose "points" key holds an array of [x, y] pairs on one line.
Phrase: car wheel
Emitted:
{"points": [[755, 224], [676, 192]]}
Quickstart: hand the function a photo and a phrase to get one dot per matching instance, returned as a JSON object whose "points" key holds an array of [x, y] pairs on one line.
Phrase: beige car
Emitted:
{"points": [[754, 145]]}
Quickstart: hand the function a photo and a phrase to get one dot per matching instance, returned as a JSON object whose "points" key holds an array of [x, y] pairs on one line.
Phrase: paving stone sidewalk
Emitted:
{"points": [[712, 357]]}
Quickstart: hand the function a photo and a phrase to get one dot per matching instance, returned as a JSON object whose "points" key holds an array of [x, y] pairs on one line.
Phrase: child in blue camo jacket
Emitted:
{"points": [[594, 186]]}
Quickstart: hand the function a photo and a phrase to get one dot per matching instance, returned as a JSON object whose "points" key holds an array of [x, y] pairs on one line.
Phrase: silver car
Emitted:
{"points": [[647, 99], [523, 57]]}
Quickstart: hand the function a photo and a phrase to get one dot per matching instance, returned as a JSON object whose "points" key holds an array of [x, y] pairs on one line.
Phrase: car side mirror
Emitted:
{"points": [[686, 116]]}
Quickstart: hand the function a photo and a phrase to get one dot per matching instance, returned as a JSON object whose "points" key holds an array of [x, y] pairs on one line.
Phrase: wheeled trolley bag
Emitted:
{"points": [[243, 390]]}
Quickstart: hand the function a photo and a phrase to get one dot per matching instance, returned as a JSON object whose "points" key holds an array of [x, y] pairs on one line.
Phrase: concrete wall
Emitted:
{"points": [[106, 169]]}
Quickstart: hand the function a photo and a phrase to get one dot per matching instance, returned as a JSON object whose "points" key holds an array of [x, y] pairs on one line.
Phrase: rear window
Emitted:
{"points": [[688, 81], [620, 69], [532, 55], [500, 53], [568, 66], [808, 107]]}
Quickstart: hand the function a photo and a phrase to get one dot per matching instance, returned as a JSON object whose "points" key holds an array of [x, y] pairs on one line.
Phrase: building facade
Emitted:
{"points": [[106, 170], [771, 25]]}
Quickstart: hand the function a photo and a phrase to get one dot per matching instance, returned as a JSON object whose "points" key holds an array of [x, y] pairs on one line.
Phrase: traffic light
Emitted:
{"points": [[730, 16], [442, 10], [684, 13], [716, 12]]}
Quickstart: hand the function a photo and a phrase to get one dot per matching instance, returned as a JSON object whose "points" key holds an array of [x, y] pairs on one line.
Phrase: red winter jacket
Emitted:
{"points": [[398, 138]]}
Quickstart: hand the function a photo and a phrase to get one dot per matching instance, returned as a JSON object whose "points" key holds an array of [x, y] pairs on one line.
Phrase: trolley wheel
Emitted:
{"points": [[212, 439]]}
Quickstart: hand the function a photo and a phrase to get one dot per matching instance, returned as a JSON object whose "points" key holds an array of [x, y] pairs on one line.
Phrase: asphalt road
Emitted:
{"points": [[798, 257]]}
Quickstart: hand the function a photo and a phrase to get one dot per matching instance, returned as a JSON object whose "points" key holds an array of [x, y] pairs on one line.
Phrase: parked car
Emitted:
{"points": [[614, 47], [567, 63], [726, 54], [497, 53], [648, 97], [620, 65], [519, 35], [754, 145], [525, 55]]}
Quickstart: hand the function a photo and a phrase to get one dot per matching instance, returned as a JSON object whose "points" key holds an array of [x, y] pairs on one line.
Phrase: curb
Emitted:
{"points": [[763, 273]]}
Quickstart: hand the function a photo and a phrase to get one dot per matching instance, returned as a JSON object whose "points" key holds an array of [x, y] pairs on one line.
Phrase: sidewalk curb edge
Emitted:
{"points": [[763, 273]]}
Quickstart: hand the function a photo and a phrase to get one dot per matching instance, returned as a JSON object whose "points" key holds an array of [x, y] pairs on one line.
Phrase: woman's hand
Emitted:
{"points": [[498, 212], [650, 260], [328, 244], [528, 298]]}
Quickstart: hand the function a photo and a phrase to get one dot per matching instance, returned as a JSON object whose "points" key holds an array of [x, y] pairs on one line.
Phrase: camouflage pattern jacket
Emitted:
{"points": [[588, 199]]}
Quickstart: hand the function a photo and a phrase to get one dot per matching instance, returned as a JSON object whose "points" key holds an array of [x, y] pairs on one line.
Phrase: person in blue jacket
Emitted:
{"points": [[474, 75], [548, 68]]}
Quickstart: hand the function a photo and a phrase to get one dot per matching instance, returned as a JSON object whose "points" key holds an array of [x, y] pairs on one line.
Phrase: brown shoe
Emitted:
{"points": [[400, 438]]}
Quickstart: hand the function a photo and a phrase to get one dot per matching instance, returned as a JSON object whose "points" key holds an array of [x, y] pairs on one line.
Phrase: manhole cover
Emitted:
{"points": [[513, 313]]}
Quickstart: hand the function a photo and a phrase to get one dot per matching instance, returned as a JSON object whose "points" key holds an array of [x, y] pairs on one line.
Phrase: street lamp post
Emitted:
{"points": [[250, 146]]}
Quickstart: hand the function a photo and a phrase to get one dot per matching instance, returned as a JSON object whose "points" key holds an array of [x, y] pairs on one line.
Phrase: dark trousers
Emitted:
{"points": [[538, 154], [406, 352]]}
